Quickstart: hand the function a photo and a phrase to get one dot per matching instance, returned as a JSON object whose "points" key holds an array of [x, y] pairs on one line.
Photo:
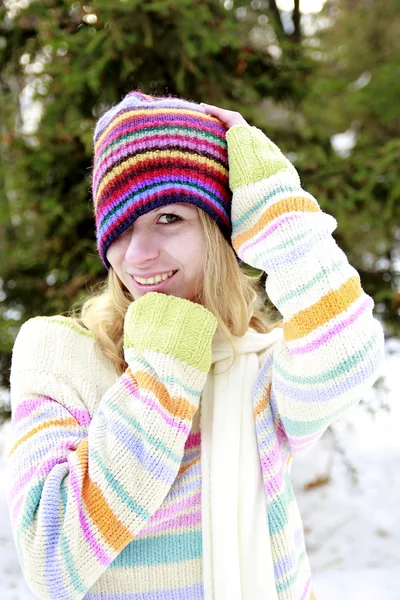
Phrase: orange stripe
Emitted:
{"points": [[137, 161], [186, 467], [276, 210], [328, 307], [53, 423], [177, 406], [313, 596], [138, 113], [113, 531], [262, 405]]}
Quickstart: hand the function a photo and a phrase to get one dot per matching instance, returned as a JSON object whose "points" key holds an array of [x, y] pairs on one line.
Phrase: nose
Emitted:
{"points": [[142, 247]]}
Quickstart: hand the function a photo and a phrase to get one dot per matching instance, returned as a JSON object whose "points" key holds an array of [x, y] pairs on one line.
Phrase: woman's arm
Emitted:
{"points": [[83, 486], [332, 347]]}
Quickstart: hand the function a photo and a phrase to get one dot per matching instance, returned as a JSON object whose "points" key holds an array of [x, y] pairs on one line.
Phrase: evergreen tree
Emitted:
{"points": [[74, 61], [356, 89]]}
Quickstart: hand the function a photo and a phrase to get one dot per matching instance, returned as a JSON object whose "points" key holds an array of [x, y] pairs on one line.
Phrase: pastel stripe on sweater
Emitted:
{"points": [[281, 228], [106, 469]]}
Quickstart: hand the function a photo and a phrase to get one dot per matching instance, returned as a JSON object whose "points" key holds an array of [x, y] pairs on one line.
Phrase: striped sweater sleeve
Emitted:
{"points": [[332, 346], [84, 485]]}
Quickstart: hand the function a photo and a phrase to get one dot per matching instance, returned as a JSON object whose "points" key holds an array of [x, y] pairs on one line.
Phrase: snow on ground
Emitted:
{"points": [[352, 528], [12, 584]]}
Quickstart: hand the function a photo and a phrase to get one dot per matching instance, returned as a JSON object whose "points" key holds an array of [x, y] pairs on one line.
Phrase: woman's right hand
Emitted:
{"points": [[228, 117]]}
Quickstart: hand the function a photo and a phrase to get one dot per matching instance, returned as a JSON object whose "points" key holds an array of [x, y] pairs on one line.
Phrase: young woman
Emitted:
{"points": [[152, 435]]}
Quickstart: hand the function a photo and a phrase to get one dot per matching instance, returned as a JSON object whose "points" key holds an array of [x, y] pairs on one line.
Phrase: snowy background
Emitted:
{"points": [[352, 522]]}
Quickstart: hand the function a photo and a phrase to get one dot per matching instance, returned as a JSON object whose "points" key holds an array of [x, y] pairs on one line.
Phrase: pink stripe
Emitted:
{"points": [[108, 204], [28, 406], [297, 444], [274, 454], [145, 399], [75, 487], [281, 433], [24, 409], [121, 185], [38, 471], [272, 484], [283, 439], [44, 467], [21, 483], [16, 509], [276, 224], [169, 511], [327, 336], [271, 458], [193, 441], [139, 124], [82, 416], [189, 520], [152, 144], [306, 594]]}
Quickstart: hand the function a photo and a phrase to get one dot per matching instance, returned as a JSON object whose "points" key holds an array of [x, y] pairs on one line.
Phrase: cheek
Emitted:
{"points": [[193, 252]]}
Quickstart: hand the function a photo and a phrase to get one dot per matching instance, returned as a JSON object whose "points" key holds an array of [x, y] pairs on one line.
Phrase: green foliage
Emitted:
{"points": [[78, 59], [356, 89]]}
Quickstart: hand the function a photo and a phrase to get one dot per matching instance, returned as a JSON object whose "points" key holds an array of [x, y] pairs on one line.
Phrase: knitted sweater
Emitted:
{"points": [[105, 496]]}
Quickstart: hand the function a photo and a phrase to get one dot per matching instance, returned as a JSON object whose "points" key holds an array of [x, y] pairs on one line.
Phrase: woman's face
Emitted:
{"points": [[163, 251]]}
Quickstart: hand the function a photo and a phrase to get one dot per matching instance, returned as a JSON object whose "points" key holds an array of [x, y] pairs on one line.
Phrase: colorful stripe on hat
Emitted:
{"points": [[150, 152]]}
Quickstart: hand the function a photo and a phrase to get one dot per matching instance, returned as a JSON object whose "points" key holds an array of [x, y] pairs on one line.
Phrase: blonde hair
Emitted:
{"points": [[227, 291]]}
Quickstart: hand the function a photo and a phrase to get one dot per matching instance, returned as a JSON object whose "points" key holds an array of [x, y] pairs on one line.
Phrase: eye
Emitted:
{"points": [[169, 218]]}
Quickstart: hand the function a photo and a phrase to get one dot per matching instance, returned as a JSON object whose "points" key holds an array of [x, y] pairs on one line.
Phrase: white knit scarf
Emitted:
{"points": [[237, 561]]}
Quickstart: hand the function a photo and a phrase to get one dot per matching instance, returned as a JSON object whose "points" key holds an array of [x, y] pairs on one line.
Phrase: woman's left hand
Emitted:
{"points": [[228, 117]]}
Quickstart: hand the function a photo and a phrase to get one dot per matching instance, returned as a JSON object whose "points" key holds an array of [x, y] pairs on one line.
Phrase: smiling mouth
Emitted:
{"points": [[150, 281]]}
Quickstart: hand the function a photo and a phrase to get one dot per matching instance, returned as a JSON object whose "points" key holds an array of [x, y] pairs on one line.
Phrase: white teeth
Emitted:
{"points": [[153, 280]]}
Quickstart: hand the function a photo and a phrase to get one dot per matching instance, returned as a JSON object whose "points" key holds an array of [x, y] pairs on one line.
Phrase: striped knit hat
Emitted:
{"points": [[151, 151]]}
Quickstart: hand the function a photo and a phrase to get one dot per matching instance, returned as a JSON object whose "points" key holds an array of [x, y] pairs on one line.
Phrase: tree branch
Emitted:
{"points": [[279, 30], [296, 16]]}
